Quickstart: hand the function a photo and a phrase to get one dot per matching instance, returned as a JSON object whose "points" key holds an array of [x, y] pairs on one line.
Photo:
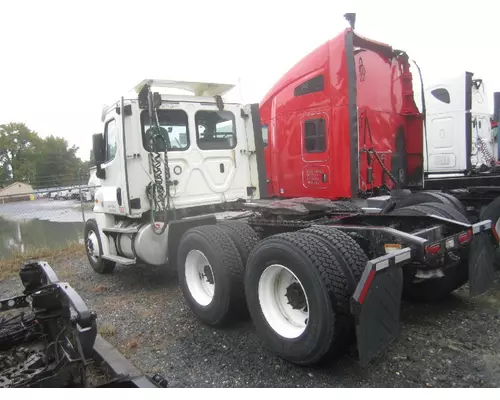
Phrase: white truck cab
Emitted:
{"points": [[458, 125], [172, 156]]}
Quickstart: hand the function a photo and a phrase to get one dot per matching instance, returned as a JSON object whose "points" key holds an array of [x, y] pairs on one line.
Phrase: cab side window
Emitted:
{"points": [[442, 95], [110, 133], [265, 134]]}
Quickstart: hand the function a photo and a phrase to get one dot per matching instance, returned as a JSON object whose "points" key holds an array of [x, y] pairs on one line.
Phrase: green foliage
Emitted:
{"points": [[41, 162]]}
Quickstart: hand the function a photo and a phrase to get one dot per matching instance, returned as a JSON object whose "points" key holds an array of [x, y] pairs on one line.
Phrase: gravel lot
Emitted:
{"points": [[141, 311]]}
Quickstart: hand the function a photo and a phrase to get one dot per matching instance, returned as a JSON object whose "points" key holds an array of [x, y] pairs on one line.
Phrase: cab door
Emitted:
{"points": [[113, 187]]}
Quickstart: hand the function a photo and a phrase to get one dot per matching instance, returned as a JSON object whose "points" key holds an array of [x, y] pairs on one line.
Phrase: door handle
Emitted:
{"points": [[119, 196], [221, 168]]}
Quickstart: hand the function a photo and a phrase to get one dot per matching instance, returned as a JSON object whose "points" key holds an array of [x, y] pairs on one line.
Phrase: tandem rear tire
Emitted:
{"points": [[243, 236], [298, 297], [93, 248], [211, 273]]}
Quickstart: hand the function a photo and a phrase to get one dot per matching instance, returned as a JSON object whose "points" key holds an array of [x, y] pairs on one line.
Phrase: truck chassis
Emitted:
{"points": [[376, 271], [349, 269]]}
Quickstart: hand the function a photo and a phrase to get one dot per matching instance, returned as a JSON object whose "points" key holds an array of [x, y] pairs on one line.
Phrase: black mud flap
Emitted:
{"points": [[376, 304], [481, 258]]}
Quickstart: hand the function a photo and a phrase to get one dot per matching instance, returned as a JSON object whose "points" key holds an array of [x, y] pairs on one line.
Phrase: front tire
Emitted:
{"points": [[298, 297], [211, 275], [93, 247]]}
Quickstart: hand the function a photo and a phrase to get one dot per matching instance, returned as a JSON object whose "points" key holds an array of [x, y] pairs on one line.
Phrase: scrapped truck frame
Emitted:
{"points": [[314, 274], [53, 338]]}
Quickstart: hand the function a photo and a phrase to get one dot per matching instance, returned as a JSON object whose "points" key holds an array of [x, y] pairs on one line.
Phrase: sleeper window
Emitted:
{"points": [[265, 133], [316, 84], [315, 135]]}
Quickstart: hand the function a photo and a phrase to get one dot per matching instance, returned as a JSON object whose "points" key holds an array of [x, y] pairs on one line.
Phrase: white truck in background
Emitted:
{"points": [[459, 140]]}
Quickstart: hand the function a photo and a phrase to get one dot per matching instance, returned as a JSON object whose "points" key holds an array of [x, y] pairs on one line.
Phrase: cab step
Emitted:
{"points": [[121, 230], [120, 260]]}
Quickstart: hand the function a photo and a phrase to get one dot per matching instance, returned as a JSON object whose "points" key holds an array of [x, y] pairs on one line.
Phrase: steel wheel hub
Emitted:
{"points": [[200, 278], [283, 301], [92, 245]]}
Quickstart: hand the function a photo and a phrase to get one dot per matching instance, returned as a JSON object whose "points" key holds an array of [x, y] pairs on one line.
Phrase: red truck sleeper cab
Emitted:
{"points": [[341, 107]]}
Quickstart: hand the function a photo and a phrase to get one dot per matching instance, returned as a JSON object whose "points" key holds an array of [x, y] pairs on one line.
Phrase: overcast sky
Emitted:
{"points": [[62, 60]]}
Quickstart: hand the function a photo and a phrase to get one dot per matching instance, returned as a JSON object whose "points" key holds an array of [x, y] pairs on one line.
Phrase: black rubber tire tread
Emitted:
{"points": [[243, 236], [234, 306], [364, 243], [421, 197], [491, 212], [346, 206], [435, 290], [447, 211], [455, 202], [102, 266], [352, 259], [325, 266], [343, 246]]}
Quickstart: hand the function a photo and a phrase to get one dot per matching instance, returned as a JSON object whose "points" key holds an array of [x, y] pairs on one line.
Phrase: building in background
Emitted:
{"points": [[17, 191]]}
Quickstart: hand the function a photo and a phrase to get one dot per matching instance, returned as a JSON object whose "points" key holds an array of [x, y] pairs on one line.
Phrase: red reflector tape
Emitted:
{"points": [[368, 282], [465, 237], [433, 249], [495, 233]]}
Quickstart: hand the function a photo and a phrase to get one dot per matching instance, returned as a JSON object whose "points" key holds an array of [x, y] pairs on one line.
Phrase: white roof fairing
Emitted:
{"points": [[197, 88]]}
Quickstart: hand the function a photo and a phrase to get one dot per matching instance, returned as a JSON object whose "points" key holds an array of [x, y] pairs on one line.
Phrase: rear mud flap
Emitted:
{"points": [[481, 259], [376, 304]]}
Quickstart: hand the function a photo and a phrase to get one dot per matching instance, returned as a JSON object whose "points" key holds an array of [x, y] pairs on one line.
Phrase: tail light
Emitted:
{"points": [[465, 237], [433, 249]]}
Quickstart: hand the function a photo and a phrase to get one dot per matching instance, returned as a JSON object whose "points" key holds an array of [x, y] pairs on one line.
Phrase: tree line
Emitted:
{"points": [[40, 162]]}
